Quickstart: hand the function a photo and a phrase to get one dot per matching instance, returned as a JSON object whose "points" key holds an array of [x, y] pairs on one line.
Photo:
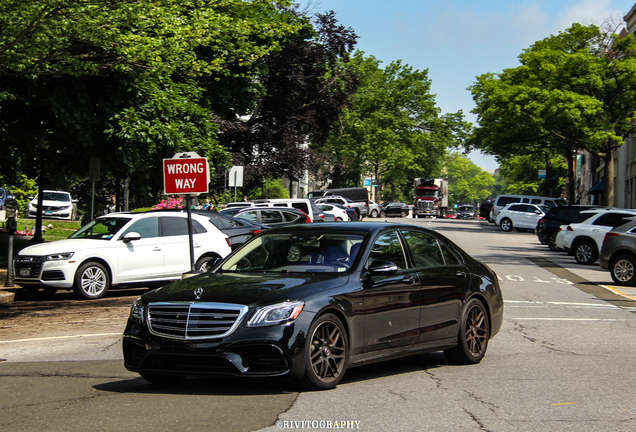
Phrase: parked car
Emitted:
{"points": [[55, 204], [289, 304], [502, 200], [395, 209], [5, 194], [374, 209], [548, 225], [269, 216], [359, 196], [337, 213], [450, 214], [520, 216], [120, 249], [351, 212], [346, 202], [238, 230], [583, 238], [484, 210], [305, 205], [618, 254], [466, 212]]}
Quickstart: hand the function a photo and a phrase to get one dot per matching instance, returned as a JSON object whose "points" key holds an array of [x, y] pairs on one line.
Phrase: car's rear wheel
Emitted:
{"points": [[403, 213], [623, 270], [585, 252], [92, 280], [506, 225], [40, 292], [374, 213], [206, 263], [552, 235], [327, 354], [474, 332]]}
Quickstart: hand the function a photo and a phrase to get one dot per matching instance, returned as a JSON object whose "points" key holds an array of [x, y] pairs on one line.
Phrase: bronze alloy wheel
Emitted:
{"points": [[473, 337], [327, 356]]}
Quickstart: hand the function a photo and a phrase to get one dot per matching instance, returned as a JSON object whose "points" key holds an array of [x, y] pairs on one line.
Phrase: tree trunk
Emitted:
{"points": [[609, 179], [570, 159]]}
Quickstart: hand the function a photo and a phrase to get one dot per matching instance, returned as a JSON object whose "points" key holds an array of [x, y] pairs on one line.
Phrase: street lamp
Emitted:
{"points": [[43, 146]]}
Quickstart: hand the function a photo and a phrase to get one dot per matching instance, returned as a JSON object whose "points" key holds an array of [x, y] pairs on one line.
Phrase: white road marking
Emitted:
{"points": [[61, 337]]}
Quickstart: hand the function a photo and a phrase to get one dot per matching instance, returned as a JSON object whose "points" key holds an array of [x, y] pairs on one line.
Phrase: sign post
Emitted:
{"points": [[187, 175]]}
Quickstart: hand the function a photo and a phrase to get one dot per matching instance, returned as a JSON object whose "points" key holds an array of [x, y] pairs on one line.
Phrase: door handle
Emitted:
{"points": [[460, 274], [156, 249], [408, 280]]}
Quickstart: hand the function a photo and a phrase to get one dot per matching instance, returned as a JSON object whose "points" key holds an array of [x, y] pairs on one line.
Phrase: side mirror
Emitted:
{"points": [[382, 268], [131, 236]]}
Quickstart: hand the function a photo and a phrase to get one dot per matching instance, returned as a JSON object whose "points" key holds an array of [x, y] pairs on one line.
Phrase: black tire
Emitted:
{"points": [[327, 354], [339, 219], [506, 225], [623, 270], [551, 239], [40, 292], [374, 213], [206, 263], [403, 213], [382, 214], [585, 252], [162, 379], [473, 336], [92, 280]]}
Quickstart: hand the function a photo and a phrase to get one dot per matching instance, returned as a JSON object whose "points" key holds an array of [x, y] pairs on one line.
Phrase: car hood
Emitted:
{"points": [[61, 246], [50, 203], [250, 289]]}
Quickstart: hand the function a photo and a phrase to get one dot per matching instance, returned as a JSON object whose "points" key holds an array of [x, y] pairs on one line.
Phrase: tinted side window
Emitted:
{"points": [[535, 201], [249, 215], [292, 217], [271, 216], [550, 203], [502, 201], [219, 222], [613, 219], [388, 247], [424, 249], [582, 217], [518, 207], [172, 226], [146, 228], [301, 206]]}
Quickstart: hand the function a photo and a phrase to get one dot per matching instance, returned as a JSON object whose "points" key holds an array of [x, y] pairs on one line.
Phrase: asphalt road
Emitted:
{"points": [[562, 362]]}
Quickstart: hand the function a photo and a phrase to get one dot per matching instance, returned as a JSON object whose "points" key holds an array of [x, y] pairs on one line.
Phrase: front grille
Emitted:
{"points": [[187, 321], [425, 205], [28, 266]]}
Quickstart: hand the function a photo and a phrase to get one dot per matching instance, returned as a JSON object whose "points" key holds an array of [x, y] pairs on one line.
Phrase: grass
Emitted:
{"points": [[55, 230]]}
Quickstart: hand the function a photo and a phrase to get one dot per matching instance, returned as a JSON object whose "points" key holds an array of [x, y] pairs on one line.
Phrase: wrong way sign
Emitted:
{"points": [[186, 174]]}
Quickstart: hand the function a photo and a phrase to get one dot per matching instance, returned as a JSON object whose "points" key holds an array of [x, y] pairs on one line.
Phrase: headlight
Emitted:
{"points": [[137, 311], [276, 314], [60, 256]]}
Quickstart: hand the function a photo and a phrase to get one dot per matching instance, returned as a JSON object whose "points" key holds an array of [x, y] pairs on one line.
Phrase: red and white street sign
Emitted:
{"points": [[186, 176]]}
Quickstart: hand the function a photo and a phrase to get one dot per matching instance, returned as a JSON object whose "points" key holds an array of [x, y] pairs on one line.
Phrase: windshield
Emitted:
{"points": [[103, 228], [56, 196], [426, 193], [466, 208], [296, 252]]}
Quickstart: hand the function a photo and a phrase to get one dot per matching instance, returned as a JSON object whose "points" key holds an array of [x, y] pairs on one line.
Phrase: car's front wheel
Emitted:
{"points": [[474, 332], [92, 280], [506, 225], [327, 354], [382, 214], [623, 270], [585, 252]]}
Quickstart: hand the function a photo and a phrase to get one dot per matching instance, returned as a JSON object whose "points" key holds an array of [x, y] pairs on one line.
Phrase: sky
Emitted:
{"points": [[458, 40]]}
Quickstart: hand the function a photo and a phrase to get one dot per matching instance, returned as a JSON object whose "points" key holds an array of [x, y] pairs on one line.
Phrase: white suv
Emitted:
{"points": [[120, 249], [583, 238], [520, 216]]}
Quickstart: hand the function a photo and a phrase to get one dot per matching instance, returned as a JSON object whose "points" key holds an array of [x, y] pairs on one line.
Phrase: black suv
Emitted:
{"points": [[548, 226]]}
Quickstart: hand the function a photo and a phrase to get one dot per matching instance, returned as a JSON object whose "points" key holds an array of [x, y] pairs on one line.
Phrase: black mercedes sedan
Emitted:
{"points": [[309, 301]]}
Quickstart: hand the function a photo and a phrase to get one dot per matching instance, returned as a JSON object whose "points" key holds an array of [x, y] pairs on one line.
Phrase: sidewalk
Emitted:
{"points": [[7, 294]]}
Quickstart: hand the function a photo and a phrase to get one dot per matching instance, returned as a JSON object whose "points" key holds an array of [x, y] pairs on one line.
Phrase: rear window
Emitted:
{"points": [[582, 217]]}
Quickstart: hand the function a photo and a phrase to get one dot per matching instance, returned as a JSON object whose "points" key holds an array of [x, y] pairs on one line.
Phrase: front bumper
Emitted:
{"points": [[35, 271]]}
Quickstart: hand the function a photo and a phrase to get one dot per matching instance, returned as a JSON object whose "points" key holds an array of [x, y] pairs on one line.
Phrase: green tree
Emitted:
{"points": [[129, 81], [467, 183], [521, 173], [575, 90], [392, 129]]}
